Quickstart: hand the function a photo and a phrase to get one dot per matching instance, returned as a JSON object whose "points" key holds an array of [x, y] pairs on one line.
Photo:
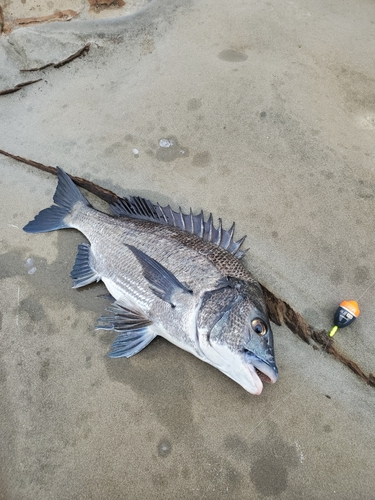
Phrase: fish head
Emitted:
{"points": [[235, 335]]}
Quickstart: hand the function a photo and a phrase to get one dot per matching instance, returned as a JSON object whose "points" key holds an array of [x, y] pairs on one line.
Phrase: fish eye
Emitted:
{"points": [[259, 327]]}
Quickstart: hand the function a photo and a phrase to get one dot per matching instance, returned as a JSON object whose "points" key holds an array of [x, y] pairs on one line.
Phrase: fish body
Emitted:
{"points": [[170, 274]]}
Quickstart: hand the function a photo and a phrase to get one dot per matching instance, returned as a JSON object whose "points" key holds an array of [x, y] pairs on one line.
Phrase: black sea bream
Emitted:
{"points": [[170, 274]]}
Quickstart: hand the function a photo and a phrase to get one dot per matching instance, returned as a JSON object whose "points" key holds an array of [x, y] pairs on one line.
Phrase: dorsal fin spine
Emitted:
{"points": [[140, 208], [230, 236], [231, 231], [171, 216], [182, 221], [191, 221], [201, 224], [239, 242], [162, 212], [219, 233], [210, 228]]}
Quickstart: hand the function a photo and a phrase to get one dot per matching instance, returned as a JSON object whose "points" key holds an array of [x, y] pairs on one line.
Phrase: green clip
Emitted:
{"points": [[333, 331]]}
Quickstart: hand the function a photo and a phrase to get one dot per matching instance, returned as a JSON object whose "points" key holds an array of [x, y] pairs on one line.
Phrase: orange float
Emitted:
{"points": [[345, 314]]}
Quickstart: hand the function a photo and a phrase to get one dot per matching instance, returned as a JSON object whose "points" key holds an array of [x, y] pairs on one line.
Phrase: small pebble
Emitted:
{"points": [[164, 448], [165, 143], [29, 264]]}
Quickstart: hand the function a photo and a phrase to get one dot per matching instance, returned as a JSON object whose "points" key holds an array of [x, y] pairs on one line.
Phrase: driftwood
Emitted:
{"points": [[19, 86], [70, 58], [67, 60], [280, 312]]}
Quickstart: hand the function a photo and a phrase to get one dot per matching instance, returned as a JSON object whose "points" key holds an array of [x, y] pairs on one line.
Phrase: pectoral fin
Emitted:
{"points": [[162, 282], [122, 319], [128, 344]]}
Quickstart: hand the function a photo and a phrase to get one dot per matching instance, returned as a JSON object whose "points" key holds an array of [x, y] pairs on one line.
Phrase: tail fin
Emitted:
{"points": [[66, 196]]}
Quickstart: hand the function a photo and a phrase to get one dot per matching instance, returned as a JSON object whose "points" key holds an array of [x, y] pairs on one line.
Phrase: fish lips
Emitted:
{"points": [[266, 371], [245, 368]]}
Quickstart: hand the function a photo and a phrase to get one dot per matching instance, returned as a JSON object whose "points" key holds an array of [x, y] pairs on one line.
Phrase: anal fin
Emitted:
{"points": [[134, 327], [83, 272]]}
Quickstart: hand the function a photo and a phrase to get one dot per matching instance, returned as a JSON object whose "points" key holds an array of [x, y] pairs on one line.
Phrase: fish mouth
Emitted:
{"points": [[240, 369], [256, 381], [244, 367], [258, 378], [263, 377], [267, 372]]}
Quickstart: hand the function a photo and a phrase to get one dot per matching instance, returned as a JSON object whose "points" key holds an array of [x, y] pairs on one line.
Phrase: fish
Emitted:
{"points": [[170, 274]]}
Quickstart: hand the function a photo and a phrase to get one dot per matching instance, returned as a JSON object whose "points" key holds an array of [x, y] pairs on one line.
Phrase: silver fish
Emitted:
{"points": [[170, 274]]}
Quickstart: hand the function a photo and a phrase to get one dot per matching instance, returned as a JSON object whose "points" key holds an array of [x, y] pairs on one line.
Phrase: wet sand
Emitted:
{"points": [[269, 112]]}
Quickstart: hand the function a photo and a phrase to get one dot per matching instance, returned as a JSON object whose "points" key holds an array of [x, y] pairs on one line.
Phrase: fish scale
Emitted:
{"points": [[170, 274]]}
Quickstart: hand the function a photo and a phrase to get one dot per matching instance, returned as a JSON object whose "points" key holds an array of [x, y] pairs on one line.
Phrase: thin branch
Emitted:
{"points": [[79, 52], [19, 86], [98, 191], [280, 312]]}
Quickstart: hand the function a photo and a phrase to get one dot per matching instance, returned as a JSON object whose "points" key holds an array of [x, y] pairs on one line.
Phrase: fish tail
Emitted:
{"points": [[66, 196]]}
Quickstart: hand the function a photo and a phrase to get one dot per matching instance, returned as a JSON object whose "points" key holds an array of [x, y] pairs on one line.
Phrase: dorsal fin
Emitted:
{"points": [[140, 208]]}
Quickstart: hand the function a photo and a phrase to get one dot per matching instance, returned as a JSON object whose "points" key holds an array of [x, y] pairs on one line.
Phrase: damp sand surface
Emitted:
{"points": [[259, 113]]}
